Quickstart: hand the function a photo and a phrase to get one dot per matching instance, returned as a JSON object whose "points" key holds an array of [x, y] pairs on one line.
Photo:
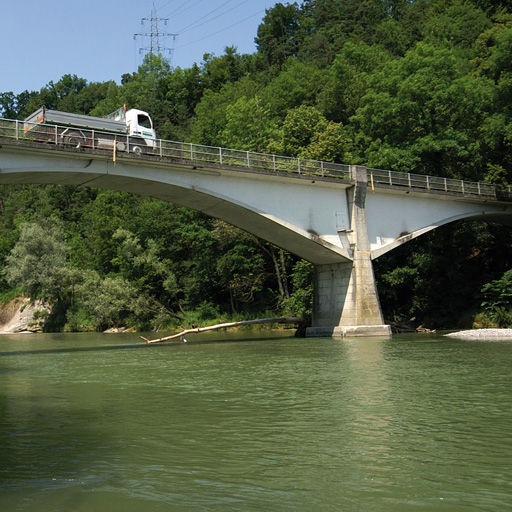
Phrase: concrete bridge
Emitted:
{"points": [[337, 217]]}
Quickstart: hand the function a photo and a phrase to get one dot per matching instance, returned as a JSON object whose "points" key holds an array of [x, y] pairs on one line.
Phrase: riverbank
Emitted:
{"points": [[21, 315], [483, 334]]}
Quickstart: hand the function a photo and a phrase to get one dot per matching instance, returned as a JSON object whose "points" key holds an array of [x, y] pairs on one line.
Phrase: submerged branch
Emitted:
{"points": [[280, 320]]}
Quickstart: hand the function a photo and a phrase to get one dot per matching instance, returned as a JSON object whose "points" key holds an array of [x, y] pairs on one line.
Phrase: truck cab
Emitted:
{"points": [[139, 124]]}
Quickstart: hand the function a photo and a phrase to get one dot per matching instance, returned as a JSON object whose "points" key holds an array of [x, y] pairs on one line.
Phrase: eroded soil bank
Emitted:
{"points": [[21, 315]]}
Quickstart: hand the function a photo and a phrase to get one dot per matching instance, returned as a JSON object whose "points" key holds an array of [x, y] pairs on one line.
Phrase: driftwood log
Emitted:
{"points": [[279, 320]]}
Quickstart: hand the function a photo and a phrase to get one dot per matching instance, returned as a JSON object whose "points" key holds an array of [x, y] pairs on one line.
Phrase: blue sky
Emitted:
{"points": [[42, 40]]}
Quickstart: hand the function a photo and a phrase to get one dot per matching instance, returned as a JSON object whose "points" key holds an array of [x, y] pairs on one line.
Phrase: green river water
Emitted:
{"points": [[254, 422]]}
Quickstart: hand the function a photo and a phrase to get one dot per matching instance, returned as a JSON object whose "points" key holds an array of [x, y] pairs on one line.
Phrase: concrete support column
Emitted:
{"points": [[346, 302]]}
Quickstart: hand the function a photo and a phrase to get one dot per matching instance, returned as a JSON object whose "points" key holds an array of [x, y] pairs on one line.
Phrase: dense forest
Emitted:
{"points": [[420, 86]]}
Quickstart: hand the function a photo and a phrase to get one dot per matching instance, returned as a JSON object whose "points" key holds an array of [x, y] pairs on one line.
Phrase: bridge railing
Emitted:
{"points": [[250, 159], [122, 144], [381, 177]]}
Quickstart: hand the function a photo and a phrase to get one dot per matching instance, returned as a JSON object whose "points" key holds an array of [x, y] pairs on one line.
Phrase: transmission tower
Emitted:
{"points": [[155, 36]]}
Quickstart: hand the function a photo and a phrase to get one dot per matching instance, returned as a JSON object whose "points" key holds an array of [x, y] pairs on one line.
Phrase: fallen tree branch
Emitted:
{"points": [[279, 320]]}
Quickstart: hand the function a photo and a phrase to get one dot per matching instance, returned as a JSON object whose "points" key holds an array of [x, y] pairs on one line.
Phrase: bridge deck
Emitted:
{"points": [[116, 146]]}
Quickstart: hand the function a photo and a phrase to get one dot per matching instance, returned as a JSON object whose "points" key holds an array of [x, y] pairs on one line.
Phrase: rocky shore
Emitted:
{"points": [[21, 315], [483, 334]]}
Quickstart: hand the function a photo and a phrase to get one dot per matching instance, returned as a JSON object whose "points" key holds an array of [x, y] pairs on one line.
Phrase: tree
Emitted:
{"points": [[109, 211], [307, 133], [249, 126], [299, 83], [107, 301], [146, 269], [8, 105], [211, 112], [348, 80], [279, 35], [38, 261], [458, 25], [300, 301]]}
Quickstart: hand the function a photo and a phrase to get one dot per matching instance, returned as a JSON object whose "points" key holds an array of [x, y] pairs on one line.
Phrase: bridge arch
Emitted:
{"points": [[504, 218]]}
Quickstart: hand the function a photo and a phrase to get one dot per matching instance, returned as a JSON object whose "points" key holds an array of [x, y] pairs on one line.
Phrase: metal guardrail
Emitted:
{"points": [[433, 183], [249, 159], [122, 144]]}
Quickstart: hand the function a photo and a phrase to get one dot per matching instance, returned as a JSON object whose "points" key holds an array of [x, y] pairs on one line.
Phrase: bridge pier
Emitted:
{"points": [[346, 302]]}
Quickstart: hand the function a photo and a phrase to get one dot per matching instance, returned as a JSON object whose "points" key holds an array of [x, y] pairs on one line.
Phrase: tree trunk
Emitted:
{"points": [[281, 320]]}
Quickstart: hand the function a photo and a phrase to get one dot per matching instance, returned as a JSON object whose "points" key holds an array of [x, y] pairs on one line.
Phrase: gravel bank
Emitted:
{"points": [[487, 334]]}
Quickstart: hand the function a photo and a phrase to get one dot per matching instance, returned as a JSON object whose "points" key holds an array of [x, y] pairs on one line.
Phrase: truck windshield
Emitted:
{"points": [[144, 121]]}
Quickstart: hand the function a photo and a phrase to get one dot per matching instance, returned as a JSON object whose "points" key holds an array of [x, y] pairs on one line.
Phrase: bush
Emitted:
{"points": [[498, 300]]}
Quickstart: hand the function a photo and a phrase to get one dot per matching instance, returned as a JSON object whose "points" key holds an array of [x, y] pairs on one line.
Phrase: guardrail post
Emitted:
{"points": [[56, 134], [479, 189], [192, 152], [390, 179], [462, 182], [409, 179], [274, 161], [445, 185], [92, 139], [248, 160], [298, 165], [428, 183], [161, 148], [322, 167], [220, 156]]}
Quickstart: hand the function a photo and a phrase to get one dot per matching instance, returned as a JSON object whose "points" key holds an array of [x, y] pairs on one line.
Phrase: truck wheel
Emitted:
{"points": [[74, 140], [137, 150]]}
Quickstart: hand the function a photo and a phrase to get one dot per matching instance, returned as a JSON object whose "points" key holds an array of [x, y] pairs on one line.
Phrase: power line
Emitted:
{"points": [[182, 8], [195, 24], [222, 30], [166, 4]]}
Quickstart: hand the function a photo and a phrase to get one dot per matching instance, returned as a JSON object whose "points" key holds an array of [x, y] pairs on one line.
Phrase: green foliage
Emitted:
{"points": [[11, 294], [38, 261], [439, 108], [297, 85], [279, 35], [204, 314], [307, 134], [498, 300], [254, 136], [459, 25], [300, 302]]}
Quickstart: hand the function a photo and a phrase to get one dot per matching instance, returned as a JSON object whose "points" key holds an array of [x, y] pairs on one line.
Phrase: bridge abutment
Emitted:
{"points": [[346, 302]]}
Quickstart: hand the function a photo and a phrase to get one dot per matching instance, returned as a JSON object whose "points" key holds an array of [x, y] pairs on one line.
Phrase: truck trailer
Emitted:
{"points": [[126, 130]]}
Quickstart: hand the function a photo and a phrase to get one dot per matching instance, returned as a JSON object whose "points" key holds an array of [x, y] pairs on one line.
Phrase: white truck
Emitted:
{"points": [[126, 130]]}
